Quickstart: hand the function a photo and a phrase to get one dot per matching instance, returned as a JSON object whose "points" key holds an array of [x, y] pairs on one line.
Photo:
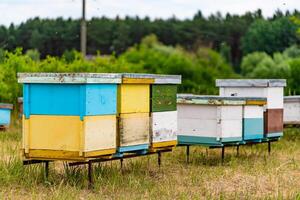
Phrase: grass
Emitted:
{"points": [[252, 175]]}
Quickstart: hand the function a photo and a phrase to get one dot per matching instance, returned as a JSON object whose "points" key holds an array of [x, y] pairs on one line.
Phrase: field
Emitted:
{"points": [[252, 175]]}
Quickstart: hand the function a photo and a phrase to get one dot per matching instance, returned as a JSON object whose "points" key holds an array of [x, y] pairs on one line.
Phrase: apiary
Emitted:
{"points": [[164, 111], [70, 116], [214, 120], [272, 89], [291, 112], [5, 114]]}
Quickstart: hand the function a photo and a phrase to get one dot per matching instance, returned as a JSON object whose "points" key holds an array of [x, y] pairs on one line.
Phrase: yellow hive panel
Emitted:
{"points": [[134, 129], [138, 80], [134, 98], [54, 132], [67, 137]]}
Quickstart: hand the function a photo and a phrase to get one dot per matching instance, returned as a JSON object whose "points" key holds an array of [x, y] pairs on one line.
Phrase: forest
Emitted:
{"points": [[201, 49]]}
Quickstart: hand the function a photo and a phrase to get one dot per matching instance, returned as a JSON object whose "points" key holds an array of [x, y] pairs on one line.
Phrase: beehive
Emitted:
{"points": [[164, 111], [272, 89], [214, 120], [291, 114], [69, 116], [134, 113], [5, 114]]}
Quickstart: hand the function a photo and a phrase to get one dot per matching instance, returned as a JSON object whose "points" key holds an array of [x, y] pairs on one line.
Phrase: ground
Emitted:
{"points": [[252, 175]]}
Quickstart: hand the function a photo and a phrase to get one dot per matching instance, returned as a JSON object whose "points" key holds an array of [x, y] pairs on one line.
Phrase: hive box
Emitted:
{"points": [[69, 116], [291, 114], [5, 113], [164, 112], [214, 120], [272, 89]]}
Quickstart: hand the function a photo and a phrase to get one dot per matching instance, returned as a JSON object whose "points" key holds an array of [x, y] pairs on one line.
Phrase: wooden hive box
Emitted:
{"points": [[69, 116], [253, 119], [164, 111], [5, 115], [209, 120], [134, 113], [272, 89], [291, 112]]}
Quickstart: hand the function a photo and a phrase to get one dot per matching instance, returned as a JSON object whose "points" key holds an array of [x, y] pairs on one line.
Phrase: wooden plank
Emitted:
{"points": [[291, 113], [134, 129], [164, 126], [100, 132], [231, 121], [134, 98], [275, 98], [273, 121], [163, 98], [138, 80]]}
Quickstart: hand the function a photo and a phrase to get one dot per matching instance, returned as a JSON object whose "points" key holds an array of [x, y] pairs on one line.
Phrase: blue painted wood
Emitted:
{"points": [[70, 99], [206, 141], [274, 135], [253, 128], [133, 148], [5, 116]]}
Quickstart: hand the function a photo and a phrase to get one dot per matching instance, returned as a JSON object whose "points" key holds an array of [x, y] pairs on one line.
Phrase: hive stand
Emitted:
{"points": [[98, 160], [237, 145]]}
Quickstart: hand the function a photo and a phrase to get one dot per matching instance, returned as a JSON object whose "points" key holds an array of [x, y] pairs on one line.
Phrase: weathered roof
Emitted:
{"points": [[69, 78], [94, 78], [6, 106], [219, 100], [157, 78], [250, 82], [295, 98]]}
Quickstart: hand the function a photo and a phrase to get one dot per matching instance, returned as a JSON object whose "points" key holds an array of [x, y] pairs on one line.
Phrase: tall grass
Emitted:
{"points": [[253, 174]]}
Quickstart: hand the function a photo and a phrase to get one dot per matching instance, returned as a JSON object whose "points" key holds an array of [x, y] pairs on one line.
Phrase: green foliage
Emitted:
{"points": [[270, 36], [33, 54], [199, 70]]}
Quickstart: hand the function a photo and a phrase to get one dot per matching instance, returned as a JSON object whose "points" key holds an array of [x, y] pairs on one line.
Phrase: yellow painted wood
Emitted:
{"points": [[134, 98], [99, 153], [55, 132], [138, 80], [100, 132], [256, 102], [134, 129], [67, 137], [164, 144]]}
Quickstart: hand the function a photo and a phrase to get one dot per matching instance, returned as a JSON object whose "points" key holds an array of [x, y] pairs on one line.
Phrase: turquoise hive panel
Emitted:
{"points": [[253, 128], [70, 99], [5, 116]]}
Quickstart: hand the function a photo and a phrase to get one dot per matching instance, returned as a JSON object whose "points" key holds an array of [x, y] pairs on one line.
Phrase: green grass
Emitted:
{"points": [[252, 175]]}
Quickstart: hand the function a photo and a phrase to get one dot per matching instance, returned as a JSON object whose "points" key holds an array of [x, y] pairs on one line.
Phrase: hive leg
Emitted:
{"points": [[90, 175], [269, 147], [223, 154], [46, 170], [237, 150], [188, 153], [159, 158]]}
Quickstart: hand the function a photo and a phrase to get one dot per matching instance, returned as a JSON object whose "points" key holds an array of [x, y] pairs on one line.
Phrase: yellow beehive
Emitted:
{"points": [[68, 137]]}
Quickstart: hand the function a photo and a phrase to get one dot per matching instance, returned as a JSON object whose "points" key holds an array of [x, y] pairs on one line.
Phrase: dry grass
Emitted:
{"points": [[252, 175]]}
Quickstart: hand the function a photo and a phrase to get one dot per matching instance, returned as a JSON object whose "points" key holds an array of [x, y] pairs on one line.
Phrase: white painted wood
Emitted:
{"points": [[231, 121], [164, 126], [274, 97], [100, 132], [291, 112], [210, 120], [250, 82], [253, 111]]}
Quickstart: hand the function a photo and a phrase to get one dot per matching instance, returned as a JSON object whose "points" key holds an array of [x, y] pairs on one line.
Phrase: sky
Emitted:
{"points": [[17, 11]]}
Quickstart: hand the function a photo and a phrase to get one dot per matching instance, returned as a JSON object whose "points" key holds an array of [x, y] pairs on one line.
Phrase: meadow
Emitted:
{"points": [[252, 175]]}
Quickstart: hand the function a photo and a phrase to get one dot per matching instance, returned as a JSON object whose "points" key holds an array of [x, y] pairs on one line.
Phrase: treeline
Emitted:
{"points": [[199, 69], [231, 35]]}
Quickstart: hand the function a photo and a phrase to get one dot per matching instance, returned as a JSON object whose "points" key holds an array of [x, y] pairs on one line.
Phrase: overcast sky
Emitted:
{"points": [[18, 11]]}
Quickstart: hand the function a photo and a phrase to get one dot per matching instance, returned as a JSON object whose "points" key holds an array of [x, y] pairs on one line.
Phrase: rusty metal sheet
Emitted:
{"points": [[273, 120]]}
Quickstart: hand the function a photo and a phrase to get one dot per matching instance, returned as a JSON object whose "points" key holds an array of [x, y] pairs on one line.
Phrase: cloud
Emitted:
{"points": [[17, 11]]}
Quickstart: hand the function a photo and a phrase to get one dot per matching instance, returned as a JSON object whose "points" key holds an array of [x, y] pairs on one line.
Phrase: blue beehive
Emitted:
{"points": [[5, 112]]}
